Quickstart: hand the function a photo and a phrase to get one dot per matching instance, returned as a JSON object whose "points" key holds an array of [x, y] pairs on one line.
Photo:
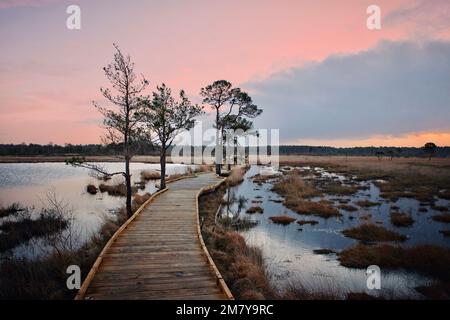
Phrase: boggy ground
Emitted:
{"points": [[401, 178]]}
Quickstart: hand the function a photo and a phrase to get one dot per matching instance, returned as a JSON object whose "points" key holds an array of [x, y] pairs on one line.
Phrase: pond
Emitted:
{"points": [[288, 249], [30, 184]]}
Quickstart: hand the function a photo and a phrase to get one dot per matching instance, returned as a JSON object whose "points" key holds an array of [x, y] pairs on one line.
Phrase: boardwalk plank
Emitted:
{"points": [[158, 255]]}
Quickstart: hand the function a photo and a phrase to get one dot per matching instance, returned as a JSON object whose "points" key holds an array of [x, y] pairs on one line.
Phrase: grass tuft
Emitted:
{"points": [[284, 220], [427, 259], [399, 219], [444, 217], [372, 232]]}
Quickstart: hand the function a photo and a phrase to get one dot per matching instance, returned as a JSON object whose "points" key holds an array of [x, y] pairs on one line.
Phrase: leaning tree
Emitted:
{"points": [[122, 115], [228, 103], [166, 118]]}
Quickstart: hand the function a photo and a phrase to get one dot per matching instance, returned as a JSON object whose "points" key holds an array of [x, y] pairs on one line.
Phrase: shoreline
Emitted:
{"points": [[42, 159], [283, 159]]}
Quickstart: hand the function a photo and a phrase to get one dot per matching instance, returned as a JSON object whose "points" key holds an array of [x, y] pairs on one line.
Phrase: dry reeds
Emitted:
{"points": [[427, 259], [148, 175], [91, 189], [283, 219], [372, 232], [399, 219], [444, 217]]}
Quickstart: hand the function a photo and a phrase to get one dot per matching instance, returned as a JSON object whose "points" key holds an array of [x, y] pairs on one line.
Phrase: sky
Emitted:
{"points": [[320, 75]]}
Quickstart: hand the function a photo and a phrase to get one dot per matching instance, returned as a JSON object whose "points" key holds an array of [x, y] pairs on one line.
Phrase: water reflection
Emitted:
{"points": [[288, 250], [30, 183]]}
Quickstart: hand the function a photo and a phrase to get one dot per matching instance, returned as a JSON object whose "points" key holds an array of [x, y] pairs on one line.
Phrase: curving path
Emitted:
{"points": [[159, 255]]}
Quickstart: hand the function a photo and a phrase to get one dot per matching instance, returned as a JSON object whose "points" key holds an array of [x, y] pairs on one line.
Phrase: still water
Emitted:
{"points": [[30, 184], [288, 250]]}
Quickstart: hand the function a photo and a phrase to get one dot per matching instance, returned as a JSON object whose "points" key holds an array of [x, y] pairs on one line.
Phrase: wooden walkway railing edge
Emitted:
{"points": [[220, 281], [81, 293]]}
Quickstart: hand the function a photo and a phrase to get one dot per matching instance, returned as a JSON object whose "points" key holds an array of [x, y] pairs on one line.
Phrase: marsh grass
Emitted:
{"points": [[443, 217], [11, 210], [439, 208], [426, 259], [119, 190], [91, 189], [147, 175], [140, 199], [366, 203], [45, 277], [446, 233], [347, 207], [312, 208], [324, 251], [293, 187], [17, 232], [311, 222], [400, 219], [336, 188], [254, 209], [236, 176], [241, 266], [283, 219], [371, 233], [403, 177]]}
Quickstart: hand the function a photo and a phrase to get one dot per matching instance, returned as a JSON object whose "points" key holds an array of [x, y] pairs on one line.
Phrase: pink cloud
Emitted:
{"points": [[186, 44]]}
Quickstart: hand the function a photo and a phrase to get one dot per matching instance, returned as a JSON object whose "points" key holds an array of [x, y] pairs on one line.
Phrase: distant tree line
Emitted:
{"points": [[72, 149], [388, 152], [145, 148]]}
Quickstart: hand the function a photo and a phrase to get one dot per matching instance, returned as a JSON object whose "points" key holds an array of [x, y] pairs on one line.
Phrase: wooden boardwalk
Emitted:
{"points": [[160, 255]]}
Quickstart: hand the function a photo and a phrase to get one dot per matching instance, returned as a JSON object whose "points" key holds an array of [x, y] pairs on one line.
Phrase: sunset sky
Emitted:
{"points": [[320, 75]]}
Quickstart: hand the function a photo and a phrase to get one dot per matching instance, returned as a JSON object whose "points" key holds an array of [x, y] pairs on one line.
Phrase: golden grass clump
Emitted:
{"points": [[254, 209], [236, 176], [283, 219], [399, 219], [293, 187], [313, 208], [311, 222], [444, 217], [148, 175], [427, 259], [372, 232], [367, 203], [91, 189], [347, 207], [140, 199]]}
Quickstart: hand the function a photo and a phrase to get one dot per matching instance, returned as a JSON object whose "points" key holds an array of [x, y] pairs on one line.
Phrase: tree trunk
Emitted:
{"points": [[235, 160], [162, 161], [128, 185], [218, 155]]}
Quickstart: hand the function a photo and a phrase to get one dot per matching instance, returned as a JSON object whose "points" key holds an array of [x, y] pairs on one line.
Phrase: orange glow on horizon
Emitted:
{"points": [[441, 139]]}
